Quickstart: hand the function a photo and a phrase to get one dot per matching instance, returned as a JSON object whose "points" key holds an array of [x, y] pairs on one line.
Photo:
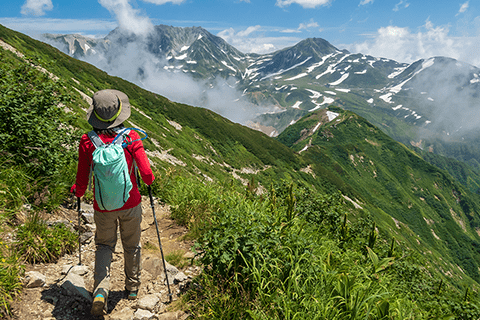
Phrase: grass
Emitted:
{"points": [[261, 261], [177, 258]]}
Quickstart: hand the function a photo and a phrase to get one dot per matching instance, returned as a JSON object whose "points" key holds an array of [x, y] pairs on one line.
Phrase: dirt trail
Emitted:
{"points": [[52, 302]]}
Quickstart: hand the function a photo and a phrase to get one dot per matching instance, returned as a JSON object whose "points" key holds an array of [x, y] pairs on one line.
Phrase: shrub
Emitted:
{"points": [[37, 242], [33, 126], [11, 272]]}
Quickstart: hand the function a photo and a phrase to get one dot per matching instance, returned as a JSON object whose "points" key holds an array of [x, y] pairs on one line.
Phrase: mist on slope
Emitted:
{"points": [[449, 95], [132, 61]]}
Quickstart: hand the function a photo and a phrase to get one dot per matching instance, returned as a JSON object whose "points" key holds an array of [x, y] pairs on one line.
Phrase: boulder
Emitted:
{"points": [[148, 302], [34, 279], [142, 314], [75, 285]]}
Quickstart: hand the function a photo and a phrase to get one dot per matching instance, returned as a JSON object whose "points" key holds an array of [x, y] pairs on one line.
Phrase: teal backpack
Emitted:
{"points": [[110, 169]]}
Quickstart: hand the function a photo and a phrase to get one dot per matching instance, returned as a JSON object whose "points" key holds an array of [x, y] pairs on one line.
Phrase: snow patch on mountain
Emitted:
{"points": [[297, 105], [426, 64], [286, 70], [332, 115], [398, 71], [336, 83], [301, 75], [318, 64], [182, 57], [315, 95], [387, 97]]}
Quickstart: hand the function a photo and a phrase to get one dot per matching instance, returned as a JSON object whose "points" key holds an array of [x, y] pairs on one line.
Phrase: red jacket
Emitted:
{"points": [[133, 151]]}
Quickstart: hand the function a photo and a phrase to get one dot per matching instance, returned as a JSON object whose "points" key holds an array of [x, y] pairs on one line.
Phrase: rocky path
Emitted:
{"points": [[62, 291]]}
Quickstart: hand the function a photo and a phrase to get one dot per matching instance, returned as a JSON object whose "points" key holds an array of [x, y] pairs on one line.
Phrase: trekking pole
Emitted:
{"points": [[159, 241], [79, 234]]}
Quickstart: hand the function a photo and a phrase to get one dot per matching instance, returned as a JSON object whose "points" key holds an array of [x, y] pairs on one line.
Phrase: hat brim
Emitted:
{"points": [[124, 114]]}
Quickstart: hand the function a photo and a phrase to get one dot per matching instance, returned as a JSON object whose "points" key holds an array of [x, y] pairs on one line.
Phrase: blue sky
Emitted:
{"points": [[404, 30]]}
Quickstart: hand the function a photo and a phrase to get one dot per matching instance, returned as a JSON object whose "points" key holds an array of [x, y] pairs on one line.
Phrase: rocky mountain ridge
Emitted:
{"points": [[309, 75]]}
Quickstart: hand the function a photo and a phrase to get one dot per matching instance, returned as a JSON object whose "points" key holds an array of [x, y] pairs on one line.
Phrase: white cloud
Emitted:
{"points": [[128, 18], [248, 31], [252, 40], [290, 31], [402, 45], [302, 26], [401, 5], [44, 25], [36, 7], [160, 2], [304, 3], [463, 7], [311, 24], [364, 2]]}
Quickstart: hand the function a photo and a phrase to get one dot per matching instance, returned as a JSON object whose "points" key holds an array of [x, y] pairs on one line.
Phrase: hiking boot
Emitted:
{"points": [[99, 306], [131, 294]]}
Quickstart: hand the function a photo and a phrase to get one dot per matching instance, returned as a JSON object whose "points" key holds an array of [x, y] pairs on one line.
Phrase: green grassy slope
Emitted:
{"points": [[203, 133], [433, 212]]}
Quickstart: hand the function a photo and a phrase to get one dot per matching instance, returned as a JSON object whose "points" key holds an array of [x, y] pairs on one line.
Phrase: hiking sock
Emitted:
{"points": [[131, 294]]}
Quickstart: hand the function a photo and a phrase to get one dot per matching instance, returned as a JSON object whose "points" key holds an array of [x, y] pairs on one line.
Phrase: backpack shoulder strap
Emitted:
{"points": [[121, 133], [97, 142]]}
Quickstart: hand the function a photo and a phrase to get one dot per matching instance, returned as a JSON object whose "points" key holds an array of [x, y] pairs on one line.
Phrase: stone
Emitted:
{"points": [[189, 255], [180, 277], [78, 269], [171, 269], [75, 285], [177, 315], [86, 237], [125, 314], [88, 218], [142, 314], [153, 265], [85, 207], [34, 279], [90, 227], [148, 302]]}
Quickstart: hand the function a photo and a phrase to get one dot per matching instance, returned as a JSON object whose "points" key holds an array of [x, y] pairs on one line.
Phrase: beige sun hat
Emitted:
{"points": [[109, 109]]}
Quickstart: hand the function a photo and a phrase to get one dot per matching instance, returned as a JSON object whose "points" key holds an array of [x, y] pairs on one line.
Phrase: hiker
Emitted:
{"points": [[109, 110]]}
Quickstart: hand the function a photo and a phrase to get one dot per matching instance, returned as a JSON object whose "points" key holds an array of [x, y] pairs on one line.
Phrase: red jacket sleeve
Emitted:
{"points": [[83, 169]]}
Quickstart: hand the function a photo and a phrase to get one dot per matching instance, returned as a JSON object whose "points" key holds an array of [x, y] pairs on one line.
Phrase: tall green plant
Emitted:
{"points": [[33, 125]]}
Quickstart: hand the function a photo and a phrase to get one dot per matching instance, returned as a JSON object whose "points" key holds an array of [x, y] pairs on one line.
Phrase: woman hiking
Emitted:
{"points": [[109, 110]]}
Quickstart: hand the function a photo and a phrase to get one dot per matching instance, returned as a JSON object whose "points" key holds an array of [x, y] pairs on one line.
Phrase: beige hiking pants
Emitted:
{"points": [[105, 240]]}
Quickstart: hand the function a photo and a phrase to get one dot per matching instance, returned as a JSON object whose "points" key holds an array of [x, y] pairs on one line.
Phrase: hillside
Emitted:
{"points": [[426, 208], [263, 208]]}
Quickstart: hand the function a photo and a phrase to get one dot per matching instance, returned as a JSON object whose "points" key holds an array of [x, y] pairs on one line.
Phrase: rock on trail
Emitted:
{"points": [[62, 290]]}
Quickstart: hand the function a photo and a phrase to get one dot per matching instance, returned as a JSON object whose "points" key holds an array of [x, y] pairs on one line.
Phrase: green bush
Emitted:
{"points": [[37, 242], [11, 272], [33, 125]]}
